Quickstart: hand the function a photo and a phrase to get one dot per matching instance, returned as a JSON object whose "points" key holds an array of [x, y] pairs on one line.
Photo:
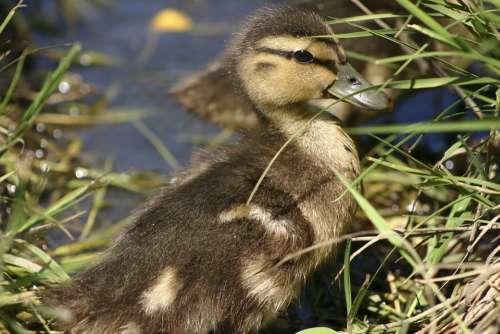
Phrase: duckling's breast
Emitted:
{"points": [[329, 209], [321, 138], [329, 145]]}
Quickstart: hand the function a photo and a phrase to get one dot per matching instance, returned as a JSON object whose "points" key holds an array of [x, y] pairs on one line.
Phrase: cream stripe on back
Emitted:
{"points": [[277, 227], [162, 294]]}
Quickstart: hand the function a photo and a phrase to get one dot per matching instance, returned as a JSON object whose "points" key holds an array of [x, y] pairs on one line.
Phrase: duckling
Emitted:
{"points": [[200, 259], [208, 92]]}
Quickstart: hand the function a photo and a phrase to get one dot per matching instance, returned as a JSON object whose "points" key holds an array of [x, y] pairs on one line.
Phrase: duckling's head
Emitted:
{"points": [[280, 61]]}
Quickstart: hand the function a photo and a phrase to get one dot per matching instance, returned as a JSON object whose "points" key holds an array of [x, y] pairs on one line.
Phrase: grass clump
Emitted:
{"points": [[45, 183], [25, 265], [435, 248]]}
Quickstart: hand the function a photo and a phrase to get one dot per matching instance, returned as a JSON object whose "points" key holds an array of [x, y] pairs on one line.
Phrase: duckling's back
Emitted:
{"points": [[199, 260]]}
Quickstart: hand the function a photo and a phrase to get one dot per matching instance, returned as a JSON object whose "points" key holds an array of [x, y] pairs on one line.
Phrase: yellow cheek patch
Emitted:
{"points": [[322, 51], [264, 66]]}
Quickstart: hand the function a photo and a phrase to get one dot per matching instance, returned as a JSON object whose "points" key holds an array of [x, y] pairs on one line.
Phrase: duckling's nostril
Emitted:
{"points": [[353, 81]]}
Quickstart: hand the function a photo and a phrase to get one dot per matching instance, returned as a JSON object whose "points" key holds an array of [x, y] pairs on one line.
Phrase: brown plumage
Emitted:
{"points": [[198, 259]]}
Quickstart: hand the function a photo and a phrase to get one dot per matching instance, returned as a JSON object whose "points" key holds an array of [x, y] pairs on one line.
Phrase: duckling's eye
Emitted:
{"points": [[303, 56]]}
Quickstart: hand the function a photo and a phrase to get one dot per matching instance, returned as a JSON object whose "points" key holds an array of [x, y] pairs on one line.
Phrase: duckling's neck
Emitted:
{"points": [[320, 136]]}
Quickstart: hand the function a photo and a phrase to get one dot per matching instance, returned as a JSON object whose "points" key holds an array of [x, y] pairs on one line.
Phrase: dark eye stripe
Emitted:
{"points": [[282, 53], [330, 65]]}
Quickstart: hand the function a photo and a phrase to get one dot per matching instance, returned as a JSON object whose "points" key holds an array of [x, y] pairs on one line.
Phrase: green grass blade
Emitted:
{"points": [[495, 2], [347, 277], [368, 33], [13, 82], [48, 88], [429, 127], [369, 17], [441, 82], [57, 273], [51, 83], [453, 14], [380, 223], [64, 203], [440, 243], [318, 330], [433, 54], [10, 15], [6, 176], [429, 21], [160, 147]]}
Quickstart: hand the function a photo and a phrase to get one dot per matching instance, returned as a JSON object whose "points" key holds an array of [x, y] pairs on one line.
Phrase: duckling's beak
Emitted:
{"points": [[349, 81]]}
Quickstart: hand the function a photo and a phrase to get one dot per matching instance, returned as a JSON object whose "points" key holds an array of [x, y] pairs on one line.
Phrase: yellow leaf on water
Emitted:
{"points": [[171, 20]]}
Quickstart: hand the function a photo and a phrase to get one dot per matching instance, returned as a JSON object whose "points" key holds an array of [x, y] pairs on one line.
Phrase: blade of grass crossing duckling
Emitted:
{"points": [[298, 133]]}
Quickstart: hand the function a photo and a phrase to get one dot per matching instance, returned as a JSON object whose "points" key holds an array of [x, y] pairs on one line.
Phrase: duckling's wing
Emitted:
{"points": [[211, 95]]}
